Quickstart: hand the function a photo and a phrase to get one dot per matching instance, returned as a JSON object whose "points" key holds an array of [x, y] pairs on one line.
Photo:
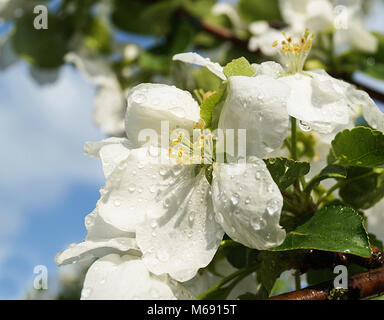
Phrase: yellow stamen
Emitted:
{"points": [[294, 53]]}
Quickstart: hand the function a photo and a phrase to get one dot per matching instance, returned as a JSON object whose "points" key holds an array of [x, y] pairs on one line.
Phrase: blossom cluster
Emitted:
{"points": [[157, 223]]}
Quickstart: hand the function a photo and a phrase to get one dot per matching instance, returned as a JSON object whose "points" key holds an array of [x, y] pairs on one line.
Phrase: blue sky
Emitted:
{"points": [[47, 185]]}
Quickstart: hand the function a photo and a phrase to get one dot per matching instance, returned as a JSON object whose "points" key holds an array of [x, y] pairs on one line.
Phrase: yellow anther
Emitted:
{"points": [[294, 51]]}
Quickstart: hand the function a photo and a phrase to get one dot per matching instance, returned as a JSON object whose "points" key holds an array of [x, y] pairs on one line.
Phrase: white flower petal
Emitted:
{"points": [[92, 249], [110, 151], [317, 15], [186, 237], [194, 58], [230, 11], [109, 110], [259, 27], [317, 101], [93, 68], [102, 239], [371, 112], [248, 203], [264, 42], [148, 104], [256, 104], [126, 278], [141, 184], [268, 68]]}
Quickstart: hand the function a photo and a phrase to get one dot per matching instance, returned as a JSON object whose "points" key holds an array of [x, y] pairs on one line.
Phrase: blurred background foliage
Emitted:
{"points": [[120, 43]]}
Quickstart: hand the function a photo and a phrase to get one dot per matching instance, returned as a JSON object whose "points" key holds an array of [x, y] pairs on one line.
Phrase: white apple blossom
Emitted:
{"points": [[343, 17], [165, 212], [319, 101], [109, 100], [223, 8], [126, 277], [262, 38]]}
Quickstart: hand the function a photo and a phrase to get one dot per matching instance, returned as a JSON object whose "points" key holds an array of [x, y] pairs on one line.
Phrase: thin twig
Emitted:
{"points": [[360, 286]]}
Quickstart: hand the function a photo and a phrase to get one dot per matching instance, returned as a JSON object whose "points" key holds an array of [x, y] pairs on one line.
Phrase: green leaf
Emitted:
{"points": [[332, 171], [208, 104], [273, 264], [361, 146], [286, 171], [363, 188], [44, 48], [333, 228], [144, 17], [239, 67], [260, 9], [98, 36]]}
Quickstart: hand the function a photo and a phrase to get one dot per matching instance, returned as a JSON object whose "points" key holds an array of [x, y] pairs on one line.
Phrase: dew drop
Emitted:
{"points": [[304, 126], [89, 221], [163, 256], [219, 217], [235, 199], [257, 223], [153, 224], [273, 206], [117, 203], [139, 98], [132, 187], [166, 203]]}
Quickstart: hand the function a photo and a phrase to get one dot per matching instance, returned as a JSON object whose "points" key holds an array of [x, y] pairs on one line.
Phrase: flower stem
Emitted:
{"points": [[293, 139], [240, 274], [297, 280]]}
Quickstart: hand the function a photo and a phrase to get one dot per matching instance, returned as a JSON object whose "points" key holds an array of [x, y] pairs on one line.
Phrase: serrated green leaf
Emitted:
{"points": [[239, 67], [286, 171], [333, 228], [208, 105], [361, 146], [363, 188]]}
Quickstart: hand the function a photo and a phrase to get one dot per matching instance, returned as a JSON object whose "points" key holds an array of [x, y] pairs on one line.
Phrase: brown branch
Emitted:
{"points": [[361, 285], [228, 35]]}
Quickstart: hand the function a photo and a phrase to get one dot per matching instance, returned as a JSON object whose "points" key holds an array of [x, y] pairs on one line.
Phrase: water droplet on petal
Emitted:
{"points": [[304, 126], [117, 203], [235, 199], [139, 98], [273, 206], [163, 256], [219, 217], [132, 187], [86, 292]]}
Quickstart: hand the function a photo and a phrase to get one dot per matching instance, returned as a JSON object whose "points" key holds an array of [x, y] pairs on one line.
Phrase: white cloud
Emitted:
{"points": [[42, 132]]}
